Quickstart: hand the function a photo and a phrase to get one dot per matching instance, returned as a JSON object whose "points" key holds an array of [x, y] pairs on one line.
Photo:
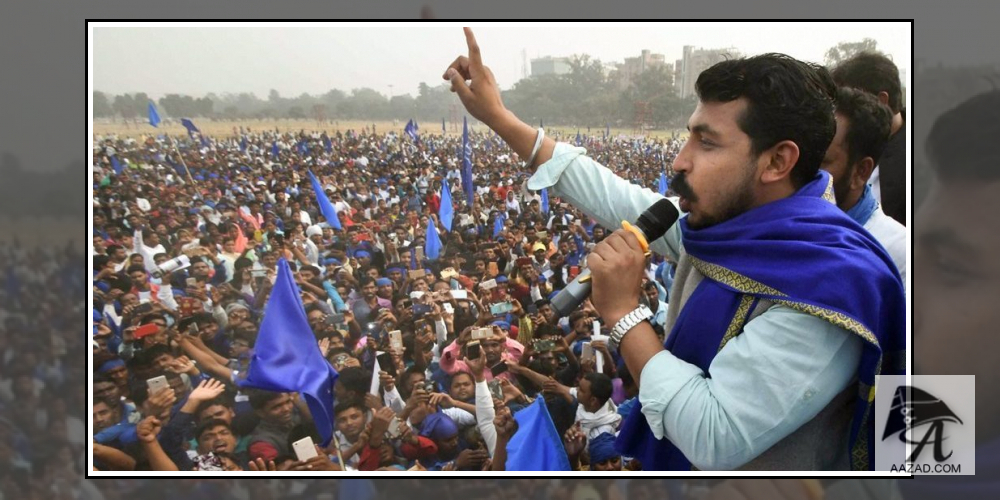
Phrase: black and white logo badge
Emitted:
{"points": [[926, 426]]}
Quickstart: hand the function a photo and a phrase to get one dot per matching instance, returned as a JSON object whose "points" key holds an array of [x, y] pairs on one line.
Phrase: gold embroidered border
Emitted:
{"points": [[828, 194], [736, 325], [840, 319], [733, 279]]}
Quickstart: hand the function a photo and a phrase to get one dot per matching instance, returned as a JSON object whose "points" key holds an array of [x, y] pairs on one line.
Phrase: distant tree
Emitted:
{"points": [[844, 50], [102, 106], [296, 113]]}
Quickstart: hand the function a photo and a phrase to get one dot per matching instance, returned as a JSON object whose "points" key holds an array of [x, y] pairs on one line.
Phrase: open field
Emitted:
{"points": [[224, 128], [35, 232]]}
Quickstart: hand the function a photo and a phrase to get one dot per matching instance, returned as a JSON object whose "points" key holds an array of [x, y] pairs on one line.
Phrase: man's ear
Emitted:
{"points": [[780, 159], [862, 172], [883, 97]]}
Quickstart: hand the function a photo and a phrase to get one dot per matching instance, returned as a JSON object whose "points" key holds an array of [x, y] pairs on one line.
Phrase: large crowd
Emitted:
{"points": [[232, 207]]}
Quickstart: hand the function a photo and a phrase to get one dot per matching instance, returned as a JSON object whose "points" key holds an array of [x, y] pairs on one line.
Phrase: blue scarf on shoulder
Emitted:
{"points": [[804, 253]]}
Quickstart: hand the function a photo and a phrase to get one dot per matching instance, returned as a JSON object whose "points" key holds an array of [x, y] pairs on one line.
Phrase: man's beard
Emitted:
{"points": [[739, 202]]}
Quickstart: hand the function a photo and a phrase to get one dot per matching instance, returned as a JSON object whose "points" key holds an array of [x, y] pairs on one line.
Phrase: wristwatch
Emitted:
{"points": [[628, 322]]}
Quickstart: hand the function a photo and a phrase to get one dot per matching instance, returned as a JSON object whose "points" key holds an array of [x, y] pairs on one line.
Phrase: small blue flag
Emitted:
{"points": [[536, 445], [303, 149], [664, 184], [154, 117], [327, 144], [545, 201], [432, 245], [467, 163], [274, 150], [411, 130], [578, 140], [243, 144], [189, 125], [325, 207], [286, 358], [447, 211], [413, 258], [116, 165]]}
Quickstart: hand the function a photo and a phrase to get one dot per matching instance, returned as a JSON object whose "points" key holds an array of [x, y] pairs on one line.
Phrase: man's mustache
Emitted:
{"points": [[680, 186]]}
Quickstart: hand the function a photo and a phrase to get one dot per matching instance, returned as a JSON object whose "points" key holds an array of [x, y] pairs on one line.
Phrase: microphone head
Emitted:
{"points": [[657, 219]]}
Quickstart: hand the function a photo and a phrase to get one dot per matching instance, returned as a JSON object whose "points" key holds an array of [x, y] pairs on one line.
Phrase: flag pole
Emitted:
{"points": [[181, 158]]}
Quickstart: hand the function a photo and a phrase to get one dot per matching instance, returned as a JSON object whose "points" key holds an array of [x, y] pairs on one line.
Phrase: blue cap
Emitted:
{"points": [[362, 253], [331, 260], [501, 279], [97, 315], [383, 282], [398, 267], [502, 324]]}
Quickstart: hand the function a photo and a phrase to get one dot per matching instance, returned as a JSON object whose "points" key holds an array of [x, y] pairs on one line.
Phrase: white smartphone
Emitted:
{"points": [[586, 352], [460, 294], [304, 449], [157, 384], [396, 340], [488, 284], [448, 308], [393, 431]]}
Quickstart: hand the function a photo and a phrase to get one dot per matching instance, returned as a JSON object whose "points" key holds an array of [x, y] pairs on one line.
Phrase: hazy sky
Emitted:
{"points": [[314, 59]]}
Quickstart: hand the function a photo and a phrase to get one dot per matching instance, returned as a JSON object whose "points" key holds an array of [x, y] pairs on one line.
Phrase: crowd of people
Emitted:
{"points": [[437, 319]]}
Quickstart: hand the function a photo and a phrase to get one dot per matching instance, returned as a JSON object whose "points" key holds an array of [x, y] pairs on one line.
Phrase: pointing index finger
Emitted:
{"points": [[474, 55]]}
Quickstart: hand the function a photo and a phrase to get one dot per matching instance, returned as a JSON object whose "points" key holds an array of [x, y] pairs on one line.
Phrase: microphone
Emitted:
{"points": [[650, 226]]}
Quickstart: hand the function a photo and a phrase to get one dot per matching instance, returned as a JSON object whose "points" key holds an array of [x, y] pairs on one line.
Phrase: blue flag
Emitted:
{"points": [[466, 163], [286, 358], [154, 117], [413, 258], [578, 140], [411, 130], [664, 184], [189, 125], [243, 144], [274, 150], [545, 201], [303, 149], [432, 247], [325, 207], [447, 211], [179, 169], [443, 130], [115, 164], [536, 446], [327, 144], [498, 225]]}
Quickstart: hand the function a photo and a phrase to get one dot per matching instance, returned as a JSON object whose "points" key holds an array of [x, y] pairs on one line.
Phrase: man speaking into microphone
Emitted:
{"points": [[783, 309]]}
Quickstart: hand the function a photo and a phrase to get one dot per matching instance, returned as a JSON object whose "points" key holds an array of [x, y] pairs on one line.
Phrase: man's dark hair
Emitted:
{"points": [[345, 405], [365, 280], [111, 249], [958, 144], [100, 261], [869, 123], [787, 100], [600, 386], [221, 400], [872, 72], [259, 397], [355, 379], [135, 267], [210, 424]]}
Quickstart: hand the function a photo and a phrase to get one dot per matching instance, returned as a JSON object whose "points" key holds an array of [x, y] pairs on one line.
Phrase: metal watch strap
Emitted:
{"points": [[628, 322]]}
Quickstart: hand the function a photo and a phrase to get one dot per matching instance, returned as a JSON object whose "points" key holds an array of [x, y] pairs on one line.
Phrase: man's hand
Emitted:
{"points": [[258, 465], [387, 381], [481, 96], [442, 399], [476, 365], [148, 429], [505, 424], [471, 459], [207, 390], [618, 266], [380, 423], [159, 402], [373, 401], [574, 440]]}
